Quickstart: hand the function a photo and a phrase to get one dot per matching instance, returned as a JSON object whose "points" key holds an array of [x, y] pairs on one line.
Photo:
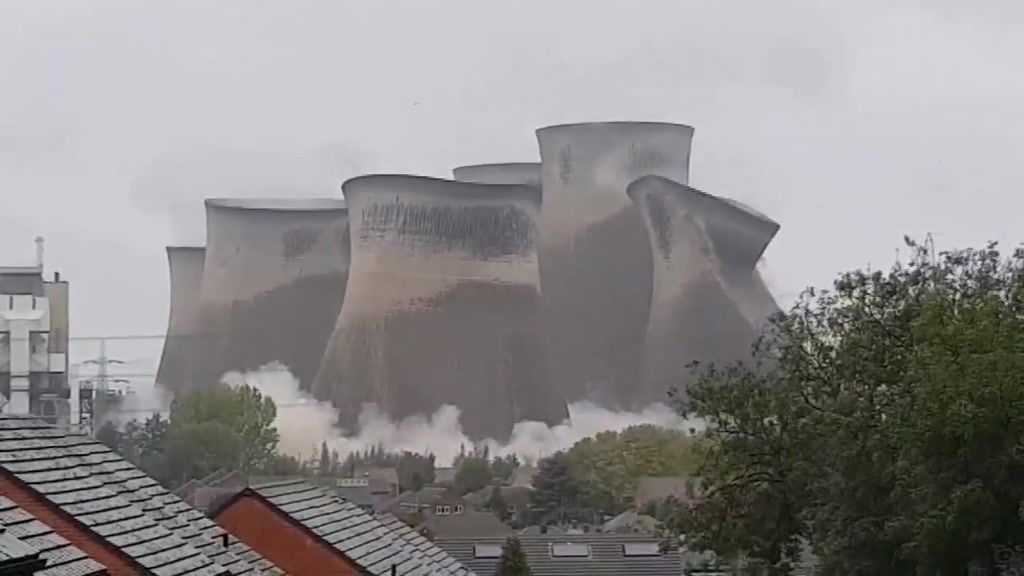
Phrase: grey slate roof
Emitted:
{"points": [[606, 555], [468, 523], [13, 549], [359, 536], [437, 557], [62, 558], [120, 503]]}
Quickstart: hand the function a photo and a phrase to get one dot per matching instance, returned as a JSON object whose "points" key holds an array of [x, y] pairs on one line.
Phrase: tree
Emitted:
{"points": [[243, 410], [325, 459], [195, 450], [610, 463], [503, 467], [513, 559], [882, 423], [109, 435], [496, 503], [473, 473], [556, 492]]}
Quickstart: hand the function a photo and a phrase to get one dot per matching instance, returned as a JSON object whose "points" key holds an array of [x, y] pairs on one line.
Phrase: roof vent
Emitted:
{"points": [[570, 550], [641, 549], [486, 551]]}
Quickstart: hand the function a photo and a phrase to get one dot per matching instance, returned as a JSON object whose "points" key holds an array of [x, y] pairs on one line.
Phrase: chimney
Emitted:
{"points": [[39, 251], [56, 276]]}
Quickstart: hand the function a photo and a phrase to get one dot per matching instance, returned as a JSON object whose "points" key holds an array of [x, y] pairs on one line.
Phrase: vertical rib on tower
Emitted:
{"points": [[273, 283], [186, 275], [595, 260], [442, 305], [709, 302]]}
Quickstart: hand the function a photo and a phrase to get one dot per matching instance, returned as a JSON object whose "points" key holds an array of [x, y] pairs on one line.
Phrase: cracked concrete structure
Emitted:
{"points": [[274, 279], [442, 306], [185, 264], [595, 259], [709, 303]]}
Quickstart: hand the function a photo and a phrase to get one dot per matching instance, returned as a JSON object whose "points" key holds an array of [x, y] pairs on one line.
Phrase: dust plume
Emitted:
{"points": [[303, 423]]}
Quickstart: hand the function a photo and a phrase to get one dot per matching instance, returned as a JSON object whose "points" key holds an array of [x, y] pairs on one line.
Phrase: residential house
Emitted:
{"points": [[632, 522], [428, 501], [467, 523], [571, 555], [517, 500], [93, 501], [309, 531], [371, 493]]}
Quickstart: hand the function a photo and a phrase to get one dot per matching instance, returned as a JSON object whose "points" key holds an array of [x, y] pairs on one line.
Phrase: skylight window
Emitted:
{"points": [[641, 549], [570, 550], [486, 551]]}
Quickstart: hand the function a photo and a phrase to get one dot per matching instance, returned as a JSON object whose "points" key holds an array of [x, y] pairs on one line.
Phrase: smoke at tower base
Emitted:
{"points": [[304, 422]]}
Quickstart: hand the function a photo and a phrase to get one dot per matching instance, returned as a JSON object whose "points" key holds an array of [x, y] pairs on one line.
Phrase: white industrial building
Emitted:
{"points": [[34, 342]]}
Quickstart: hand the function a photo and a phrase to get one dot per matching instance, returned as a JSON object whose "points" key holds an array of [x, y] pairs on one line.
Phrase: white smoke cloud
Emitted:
{"points": [[304, 423]]}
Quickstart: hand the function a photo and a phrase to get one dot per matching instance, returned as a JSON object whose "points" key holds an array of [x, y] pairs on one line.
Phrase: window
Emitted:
{"points": [[458, 508], [641, 549], [443, 510], [487, 551], [570, 550]]}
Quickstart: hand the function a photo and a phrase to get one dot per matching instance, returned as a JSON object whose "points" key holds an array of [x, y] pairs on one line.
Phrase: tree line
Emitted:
{"points": [[877, 430]]}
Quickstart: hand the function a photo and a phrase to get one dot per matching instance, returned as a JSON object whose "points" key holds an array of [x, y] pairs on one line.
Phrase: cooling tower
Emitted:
{"points": [[709, 303], [595, 259], [273, 283], [442, 306], [186, 272], [527, 173]]}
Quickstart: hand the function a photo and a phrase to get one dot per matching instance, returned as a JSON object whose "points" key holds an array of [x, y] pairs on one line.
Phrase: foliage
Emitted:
{"points": [[496, 503], [414, 470], [884, 425], [243, 410], [557, 493], [503, 467], [513, 559], [609, 464], [472, 473], [195, 450]]}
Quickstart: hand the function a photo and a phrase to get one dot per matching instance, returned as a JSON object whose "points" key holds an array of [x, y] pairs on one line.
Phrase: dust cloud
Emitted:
{"points": [[303, 423]]}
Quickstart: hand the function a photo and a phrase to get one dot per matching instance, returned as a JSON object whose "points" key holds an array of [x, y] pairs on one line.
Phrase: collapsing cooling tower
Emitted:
{"points": [[709, 302], [595, 259], [186, 272], [273, 283], [442, 306], [526, 173]]}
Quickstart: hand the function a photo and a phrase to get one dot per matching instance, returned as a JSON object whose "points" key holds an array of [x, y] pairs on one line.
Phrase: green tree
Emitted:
{"points": [[496, 503], [109, 435], [243, 410], [503, 467], [473, 473], [194, 450], [513, 559], [556, 492], [609, 464], [882, 423]]}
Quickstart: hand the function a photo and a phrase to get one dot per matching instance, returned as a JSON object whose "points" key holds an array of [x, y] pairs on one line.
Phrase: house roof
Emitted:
{"points": [[423, 546], [118, 503], [632, 521], [428, 495], [17, 556], [62, 558], [606, 554], [359, 536], [516, 496], [467, 523], [386, 475]]}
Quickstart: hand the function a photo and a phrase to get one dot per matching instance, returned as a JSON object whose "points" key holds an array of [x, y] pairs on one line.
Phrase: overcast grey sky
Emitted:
{"points": [[851, 123]]}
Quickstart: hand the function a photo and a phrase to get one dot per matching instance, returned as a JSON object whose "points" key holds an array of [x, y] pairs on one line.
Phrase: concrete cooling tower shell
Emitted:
{"points": [[526, 173], [595, 259], [442, 306], [186, 275], [709, 303], [273, 283]]}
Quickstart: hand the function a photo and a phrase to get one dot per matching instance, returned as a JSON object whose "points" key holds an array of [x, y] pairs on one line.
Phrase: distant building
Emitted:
{"points": [[444, 477], [34, 342], [571, 555], [308, 531], [469, 523], [88, 511]]}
